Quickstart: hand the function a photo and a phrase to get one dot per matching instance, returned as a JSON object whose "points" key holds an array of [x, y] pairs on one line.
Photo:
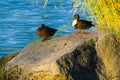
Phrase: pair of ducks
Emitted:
{"points": [[45, 31]]}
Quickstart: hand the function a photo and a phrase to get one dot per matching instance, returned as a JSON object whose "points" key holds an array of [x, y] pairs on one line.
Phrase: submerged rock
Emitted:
{"points": [[93, 56]]}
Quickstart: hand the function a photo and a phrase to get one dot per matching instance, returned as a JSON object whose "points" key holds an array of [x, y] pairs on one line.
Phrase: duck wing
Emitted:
{"points": [[50, 31], [83, 24]]}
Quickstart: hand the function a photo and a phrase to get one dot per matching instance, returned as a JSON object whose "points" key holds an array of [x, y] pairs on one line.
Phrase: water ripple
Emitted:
{"points": [[20, 18]]}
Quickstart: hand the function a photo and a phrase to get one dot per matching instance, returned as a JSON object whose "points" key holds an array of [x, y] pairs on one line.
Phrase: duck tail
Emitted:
{"points": [[92, 24]]}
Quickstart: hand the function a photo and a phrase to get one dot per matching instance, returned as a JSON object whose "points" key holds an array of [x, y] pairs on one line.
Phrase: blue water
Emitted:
{"points": [[19, 20]]}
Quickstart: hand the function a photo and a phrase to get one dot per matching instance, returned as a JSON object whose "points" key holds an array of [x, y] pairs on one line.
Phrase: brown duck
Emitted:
{"points": [[81, 24], [45, 32]]}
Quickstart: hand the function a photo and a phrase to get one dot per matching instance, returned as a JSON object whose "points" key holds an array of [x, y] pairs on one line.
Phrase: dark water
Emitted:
{"points": [[20, 18]]}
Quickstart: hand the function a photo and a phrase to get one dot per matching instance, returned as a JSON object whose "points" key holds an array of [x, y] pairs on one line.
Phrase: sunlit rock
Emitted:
{"points": [[108, 50], [93, 56]]}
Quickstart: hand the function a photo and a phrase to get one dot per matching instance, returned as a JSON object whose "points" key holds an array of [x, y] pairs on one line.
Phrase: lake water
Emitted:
{"points": [[19, 20]]}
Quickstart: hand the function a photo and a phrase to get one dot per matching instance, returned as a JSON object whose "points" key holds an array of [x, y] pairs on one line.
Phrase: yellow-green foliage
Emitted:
{"points": [[106, 14]]}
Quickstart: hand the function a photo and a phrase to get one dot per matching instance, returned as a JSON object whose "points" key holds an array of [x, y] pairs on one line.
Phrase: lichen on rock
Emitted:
{"points": [[4, 60]]}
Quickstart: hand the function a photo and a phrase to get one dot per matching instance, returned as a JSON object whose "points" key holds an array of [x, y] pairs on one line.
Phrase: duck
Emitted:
{"points": [[81, 24], [45, 32]]}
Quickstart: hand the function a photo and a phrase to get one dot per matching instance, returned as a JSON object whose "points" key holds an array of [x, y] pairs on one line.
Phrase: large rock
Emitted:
{"points": [[93, 56]]}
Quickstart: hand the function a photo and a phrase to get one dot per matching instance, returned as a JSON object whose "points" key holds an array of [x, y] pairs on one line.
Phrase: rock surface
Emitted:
{"points": [[93, 56]]}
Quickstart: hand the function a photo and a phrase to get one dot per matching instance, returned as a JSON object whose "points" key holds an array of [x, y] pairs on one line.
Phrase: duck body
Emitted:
{"points": [[81, 24], [45, 32]]}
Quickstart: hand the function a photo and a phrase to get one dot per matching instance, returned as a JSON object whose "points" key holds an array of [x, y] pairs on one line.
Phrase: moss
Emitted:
{"points": [[118, 36], [47, 77], [13, 73], [1, 77], [4, 60]]}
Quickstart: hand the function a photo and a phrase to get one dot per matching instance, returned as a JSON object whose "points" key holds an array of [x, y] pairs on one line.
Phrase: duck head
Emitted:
{"points": [[76, 19], [43, 26], [76, 16]]}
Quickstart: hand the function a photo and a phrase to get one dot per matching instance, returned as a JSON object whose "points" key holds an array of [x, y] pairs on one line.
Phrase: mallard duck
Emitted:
{"points": [[45, 32], [81, 24]]}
